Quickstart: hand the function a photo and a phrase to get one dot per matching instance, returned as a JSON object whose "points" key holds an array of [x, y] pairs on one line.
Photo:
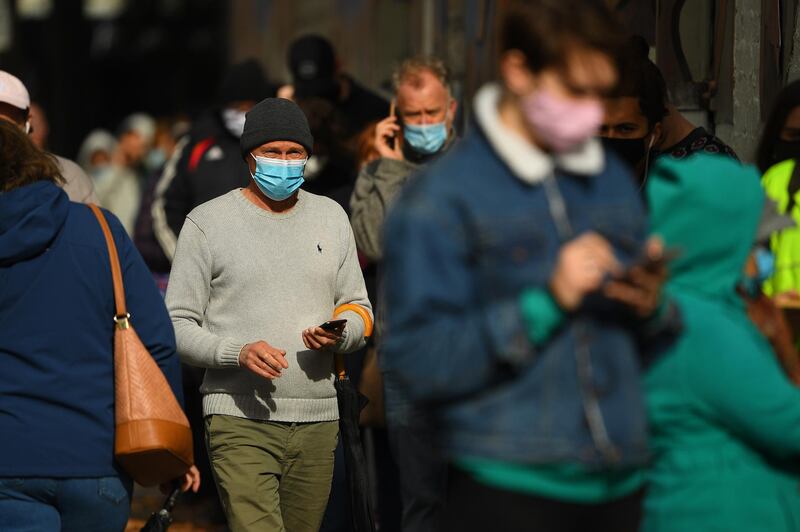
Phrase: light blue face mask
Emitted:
{"points": [[278, 179], [155, 159], [765, 268], [426, 139], [765, 264]]}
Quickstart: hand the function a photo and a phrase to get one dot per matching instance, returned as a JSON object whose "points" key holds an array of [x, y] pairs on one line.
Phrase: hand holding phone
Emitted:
{"points": [[334, 325], [388, 136], [651, 263], [324, 336], [639, 287]]}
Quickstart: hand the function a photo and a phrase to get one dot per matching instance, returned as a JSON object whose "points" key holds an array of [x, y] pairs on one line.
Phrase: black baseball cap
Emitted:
{"points": [[312, 62], [245, 81]]}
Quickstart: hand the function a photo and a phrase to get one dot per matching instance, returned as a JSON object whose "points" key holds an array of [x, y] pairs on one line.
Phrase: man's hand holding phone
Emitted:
{"points": [[324, 336], [640, 286], [582, 265], [388, 137]]}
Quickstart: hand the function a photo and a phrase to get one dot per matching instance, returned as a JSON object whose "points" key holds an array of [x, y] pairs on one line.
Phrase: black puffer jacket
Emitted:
{"points": [[207, 164]]}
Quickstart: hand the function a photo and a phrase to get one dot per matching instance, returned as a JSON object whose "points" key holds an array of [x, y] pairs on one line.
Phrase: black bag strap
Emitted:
{"points": [[794, 186]]}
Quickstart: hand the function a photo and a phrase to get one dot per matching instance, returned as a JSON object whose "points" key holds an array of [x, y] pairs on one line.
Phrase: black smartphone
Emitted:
{"points": [[644, 261], [333, 325], [393, 112]]}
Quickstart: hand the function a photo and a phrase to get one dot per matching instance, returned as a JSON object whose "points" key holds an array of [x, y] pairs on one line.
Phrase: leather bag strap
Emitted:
{"points": [[341, 370], [121, 316]]}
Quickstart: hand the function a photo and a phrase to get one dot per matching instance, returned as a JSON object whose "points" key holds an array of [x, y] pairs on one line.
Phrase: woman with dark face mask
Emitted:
{"points": [[780, 140], [777, 153]]}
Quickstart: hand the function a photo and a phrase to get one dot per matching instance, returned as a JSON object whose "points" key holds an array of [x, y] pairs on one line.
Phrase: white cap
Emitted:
{"points": [[13, 91], [97, 140], [142, 124]]}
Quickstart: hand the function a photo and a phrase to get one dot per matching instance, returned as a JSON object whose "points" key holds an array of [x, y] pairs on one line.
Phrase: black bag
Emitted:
{"points": [[160, 520]]}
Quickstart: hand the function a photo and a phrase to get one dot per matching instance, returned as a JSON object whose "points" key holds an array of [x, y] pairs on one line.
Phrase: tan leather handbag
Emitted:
{"points": [[153, 440]]}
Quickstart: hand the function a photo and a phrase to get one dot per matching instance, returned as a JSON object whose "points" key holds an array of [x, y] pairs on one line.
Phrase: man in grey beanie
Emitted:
{"points": [[256, 272]]}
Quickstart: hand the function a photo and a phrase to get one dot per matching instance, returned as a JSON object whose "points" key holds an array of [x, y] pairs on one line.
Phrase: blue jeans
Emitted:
{"points": [[68, 504]]}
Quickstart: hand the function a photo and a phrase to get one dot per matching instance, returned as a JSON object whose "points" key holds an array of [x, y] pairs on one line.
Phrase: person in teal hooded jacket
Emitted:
{"points": [[724, 419]]}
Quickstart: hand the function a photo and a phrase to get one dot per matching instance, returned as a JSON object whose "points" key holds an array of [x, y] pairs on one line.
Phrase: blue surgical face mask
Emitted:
{"points": [[765, 268], [155, 159], [278, 179], [426, 139], [765, 264]]}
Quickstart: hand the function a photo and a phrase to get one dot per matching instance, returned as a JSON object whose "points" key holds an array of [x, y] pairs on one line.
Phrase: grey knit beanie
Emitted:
{"points": [[275, 119]]}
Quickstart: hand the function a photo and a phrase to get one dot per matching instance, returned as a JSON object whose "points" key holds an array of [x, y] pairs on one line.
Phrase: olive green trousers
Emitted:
{"points": [[272, 476]]}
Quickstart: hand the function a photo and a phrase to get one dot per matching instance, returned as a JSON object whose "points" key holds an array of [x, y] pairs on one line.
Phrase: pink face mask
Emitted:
{"points": [[561, 124]]}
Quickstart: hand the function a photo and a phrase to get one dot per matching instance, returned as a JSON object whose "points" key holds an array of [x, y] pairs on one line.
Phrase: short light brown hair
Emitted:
{"points": [[21, 162], [409, 72]]}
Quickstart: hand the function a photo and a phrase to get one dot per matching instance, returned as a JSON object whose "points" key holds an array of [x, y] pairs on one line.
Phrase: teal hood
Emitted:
{"points": [[707, 207]]}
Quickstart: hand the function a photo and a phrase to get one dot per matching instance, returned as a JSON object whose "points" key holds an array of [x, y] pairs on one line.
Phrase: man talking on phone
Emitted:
{"points": [[418, 130], [257, 273]]}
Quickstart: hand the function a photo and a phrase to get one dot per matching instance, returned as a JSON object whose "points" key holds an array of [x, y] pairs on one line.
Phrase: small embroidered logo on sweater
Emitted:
{"points": [[319, 248]]}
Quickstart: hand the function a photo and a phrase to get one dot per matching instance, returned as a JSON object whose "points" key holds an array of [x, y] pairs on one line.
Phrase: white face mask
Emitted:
{"points": [[314, 166], [234, 121]]}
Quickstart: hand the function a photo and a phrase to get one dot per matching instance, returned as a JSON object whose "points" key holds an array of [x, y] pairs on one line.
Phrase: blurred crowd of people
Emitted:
{"points": [[585, 306]]}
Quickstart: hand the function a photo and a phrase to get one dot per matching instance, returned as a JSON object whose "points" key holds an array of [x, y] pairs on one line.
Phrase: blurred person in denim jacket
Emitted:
{"points": [[518, 305]]}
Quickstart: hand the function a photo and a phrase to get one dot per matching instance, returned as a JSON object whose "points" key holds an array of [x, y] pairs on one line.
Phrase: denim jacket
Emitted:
{"points": [[468, 236]]}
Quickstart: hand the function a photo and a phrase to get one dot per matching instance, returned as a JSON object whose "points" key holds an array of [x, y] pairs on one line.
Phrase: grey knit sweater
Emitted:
{"points": [[242, 274]]}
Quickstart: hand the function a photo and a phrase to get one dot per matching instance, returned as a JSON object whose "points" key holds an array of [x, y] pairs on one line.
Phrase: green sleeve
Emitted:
{"points": [[741, 383], [571, 482], [540, 314]]}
